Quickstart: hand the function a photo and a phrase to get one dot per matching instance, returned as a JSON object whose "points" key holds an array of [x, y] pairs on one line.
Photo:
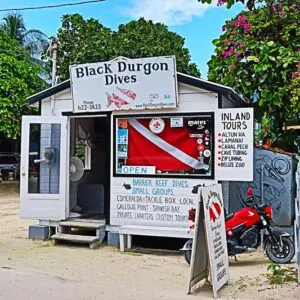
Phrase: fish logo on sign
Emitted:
{"points": [[120, 97], [214, 211]]}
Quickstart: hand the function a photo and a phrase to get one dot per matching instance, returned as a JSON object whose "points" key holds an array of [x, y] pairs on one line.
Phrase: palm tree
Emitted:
{"points": [[33, 39]]}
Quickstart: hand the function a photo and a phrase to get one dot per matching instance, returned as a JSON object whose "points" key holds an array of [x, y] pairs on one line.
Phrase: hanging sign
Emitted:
{"points": [[210, 238], [234, 144], [123, 84]]}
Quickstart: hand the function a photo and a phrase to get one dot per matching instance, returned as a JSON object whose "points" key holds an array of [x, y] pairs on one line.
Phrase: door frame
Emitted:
{"points": [[76, 116], [25, 196]]}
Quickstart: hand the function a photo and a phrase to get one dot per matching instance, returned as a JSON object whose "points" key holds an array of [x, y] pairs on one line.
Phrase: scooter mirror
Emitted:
{"points": [[250, 192]]}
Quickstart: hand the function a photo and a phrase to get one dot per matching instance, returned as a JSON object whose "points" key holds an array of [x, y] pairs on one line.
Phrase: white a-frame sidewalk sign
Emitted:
{"points": [[209, 253]]}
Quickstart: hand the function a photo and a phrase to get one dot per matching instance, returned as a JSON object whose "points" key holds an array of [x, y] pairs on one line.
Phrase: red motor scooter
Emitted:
{"points": [[243, 232]]}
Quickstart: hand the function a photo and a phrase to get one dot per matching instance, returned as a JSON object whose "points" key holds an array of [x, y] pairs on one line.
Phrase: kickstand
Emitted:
{"points": [[235, 258]]}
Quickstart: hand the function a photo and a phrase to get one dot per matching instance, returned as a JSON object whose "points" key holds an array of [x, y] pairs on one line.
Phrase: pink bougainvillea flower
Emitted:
{"points": [[238, 54], [280, 7], [241, 20], [221, 2], [295, 75], [293, 8], [231, 67], [247, 28]]}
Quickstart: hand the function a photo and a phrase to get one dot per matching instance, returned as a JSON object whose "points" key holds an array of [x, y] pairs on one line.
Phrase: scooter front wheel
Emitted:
{"points": [[283, 254], [187, 255], [187, 250]]}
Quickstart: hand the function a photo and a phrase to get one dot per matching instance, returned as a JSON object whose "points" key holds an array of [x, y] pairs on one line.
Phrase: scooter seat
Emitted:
{"points": [[229, 216]]}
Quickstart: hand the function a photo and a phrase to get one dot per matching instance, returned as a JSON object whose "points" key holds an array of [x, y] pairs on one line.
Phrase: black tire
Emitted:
{"points": [[284, 256], [187, 255]]}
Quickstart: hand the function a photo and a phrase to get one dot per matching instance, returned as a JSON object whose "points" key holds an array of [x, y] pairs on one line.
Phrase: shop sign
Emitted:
{"points": [[153, 201], [213, 205], [138, 170], [209, 253], [234, 144], [123, 84]]}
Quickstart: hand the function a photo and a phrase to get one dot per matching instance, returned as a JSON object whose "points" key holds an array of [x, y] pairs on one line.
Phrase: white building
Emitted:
{"points": [[141, 168]]}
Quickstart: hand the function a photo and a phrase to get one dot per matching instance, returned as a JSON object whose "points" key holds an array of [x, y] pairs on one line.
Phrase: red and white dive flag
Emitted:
{"points": [[170, 150]]}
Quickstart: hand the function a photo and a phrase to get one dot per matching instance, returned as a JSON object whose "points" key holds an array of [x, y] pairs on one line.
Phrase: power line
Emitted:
{"points": [[50, 6]]}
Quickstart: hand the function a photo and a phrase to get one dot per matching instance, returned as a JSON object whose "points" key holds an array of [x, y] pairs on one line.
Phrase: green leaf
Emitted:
{"points": [[270, 43], [252, 58], [257, 68]]}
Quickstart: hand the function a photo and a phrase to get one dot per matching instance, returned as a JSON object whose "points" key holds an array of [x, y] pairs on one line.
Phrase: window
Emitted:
{"points": [[173, 145], [83, 151]]}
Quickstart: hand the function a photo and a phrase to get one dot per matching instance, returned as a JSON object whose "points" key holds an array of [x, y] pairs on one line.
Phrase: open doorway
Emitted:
{"points": [[89, 184]]}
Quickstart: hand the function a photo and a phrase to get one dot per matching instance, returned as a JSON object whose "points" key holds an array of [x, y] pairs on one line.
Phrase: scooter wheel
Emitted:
{"points": [[281, 256], [187, 256]]}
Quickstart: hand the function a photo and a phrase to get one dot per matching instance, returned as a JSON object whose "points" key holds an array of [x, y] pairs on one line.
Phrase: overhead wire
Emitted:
{"points": [[50, 6]]}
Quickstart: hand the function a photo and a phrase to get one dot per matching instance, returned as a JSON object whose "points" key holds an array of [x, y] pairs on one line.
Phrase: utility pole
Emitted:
{"points": [[53, 50]]}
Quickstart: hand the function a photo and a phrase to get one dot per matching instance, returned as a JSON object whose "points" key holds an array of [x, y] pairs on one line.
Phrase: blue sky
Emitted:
{"points": [[199, 24]]}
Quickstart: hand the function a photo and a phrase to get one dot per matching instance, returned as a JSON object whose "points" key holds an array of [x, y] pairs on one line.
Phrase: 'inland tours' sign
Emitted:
{"points": [[234, 144], [123, 83]]}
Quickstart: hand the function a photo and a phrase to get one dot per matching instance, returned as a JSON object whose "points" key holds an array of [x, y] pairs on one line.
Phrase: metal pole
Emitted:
{"points": [[262, 185], [54, 59]]}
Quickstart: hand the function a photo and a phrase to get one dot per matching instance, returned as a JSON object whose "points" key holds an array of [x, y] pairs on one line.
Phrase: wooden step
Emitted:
{"points": [[76, 224], [93, 241], [85, 239]]}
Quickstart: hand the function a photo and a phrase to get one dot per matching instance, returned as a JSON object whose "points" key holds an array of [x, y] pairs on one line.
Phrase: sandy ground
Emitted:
{"points": [[37, 270]]}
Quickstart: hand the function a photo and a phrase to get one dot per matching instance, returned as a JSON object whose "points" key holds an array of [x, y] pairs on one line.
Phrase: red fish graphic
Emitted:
{"points": [[129, 93], [118, 101]]}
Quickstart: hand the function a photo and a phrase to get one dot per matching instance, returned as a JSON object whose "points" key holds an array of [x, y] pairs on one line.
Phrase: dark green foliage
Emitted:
{"points": [[258, 55], [18, 80], [84, 41]]}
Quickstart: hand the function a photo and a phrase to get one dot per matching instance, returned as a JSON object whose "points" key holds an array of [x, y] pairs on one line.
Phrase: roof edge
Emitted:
{"points": [[181, 77]]}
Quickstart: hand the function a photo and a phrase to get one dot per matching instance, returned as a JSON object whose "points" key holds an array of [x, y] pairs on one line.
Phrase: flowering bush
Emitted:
{"points": [[258, 55]]}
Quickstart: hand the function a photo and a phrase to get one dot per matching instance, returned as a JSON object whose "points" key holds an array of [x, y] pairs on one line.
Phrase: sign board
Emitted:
{"points": [[212, 234], [234, 144], [123, 84], [214, 215], [148, 201], [138, 170], [199, 261]]}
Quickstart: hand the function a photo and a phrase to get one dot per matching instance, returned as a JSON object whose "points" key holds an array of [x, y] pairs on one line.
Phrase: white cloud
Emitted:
{"points": [[169, 12]]}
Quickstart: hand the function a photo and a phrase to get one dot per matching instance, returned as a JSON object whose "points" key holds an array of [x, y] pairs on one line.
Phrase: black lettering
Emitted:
{"points": [[121, 66], [107, 68], [126, 79], [133, 78], [100, 70], [92, 71], [155, 67], [79, 72], [109, 79], [147, 69], [164, 67]]}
